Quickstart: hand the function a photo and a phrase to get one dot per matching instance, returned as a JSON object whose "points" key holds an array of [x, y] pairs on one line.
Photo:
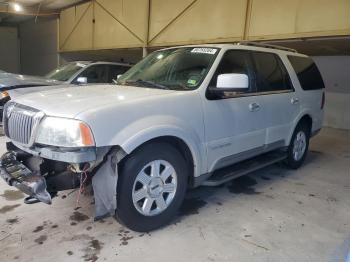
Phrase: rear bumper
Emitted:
{"points": [[16, 174]]}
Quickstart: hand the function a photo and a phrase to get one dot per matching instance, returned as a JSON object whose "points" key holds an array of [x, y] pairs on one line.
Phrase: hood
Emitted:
{"points": [[14, 93], [70, 101], [11, 81]]}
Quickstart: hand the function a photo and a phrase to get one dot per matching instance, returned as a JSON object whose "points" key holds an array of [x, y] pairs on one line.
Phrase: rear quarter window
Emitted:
{"points": [[307, 72]]}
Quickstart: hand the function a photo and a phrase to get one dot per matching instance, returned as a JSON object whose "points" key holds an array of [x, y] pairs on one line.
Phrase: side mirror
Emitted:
{"points": [[228, 83], [236, 82], [82, 80]]}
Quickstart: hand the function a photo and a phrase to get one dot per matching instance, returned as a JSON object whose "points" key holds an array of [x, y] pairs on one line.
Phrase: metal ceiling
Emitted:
{"points": [[318, 45], [32, 8]]}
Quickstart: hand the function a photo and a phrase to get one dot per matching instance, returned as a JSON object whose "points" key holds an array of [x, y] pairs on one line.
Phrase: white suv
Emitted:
{"points": [[182, 117]]}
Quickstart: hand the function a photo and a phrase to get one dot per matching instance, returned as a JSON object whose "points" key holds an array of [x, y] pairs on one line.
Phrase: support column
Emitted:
{"points": [[144, 52]]}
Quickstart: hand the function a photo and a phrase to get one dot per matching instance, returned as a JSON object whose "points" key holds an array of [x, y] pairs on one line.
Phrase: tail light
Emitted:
{"points": [[323, 100]]}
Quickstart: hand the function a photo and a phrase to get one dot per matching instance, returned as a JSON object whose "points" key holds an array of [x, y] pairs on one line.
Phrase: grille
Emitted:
{"points": [[20, 122]]}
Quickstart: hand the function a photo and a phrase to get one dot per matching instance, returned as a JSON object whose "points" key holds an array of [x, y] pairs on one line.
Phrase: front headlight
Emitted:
{"points": [[4, 94], [64, 132]]}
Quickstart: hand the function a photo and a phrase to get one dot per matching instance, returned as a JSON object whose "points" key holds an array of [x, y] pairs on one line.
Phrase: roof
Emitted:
{"points": [[246, 45]]}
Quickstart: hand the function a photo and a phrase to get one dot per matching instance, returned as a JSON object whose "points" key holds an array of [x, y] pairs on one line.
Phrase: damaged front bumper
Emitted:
{"points": [[37, 176], [16, 174], [41, 177]]}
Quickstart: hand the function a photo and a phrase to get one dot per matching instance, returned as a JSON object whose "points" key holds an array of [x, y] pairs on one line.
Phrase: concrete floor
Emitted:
{"points": [[274, 214]]}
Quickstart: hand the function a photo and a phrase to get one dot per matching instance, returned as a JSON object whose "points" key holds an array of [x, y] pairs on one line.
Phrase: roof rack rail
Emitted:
{"points": [[258, 44]]}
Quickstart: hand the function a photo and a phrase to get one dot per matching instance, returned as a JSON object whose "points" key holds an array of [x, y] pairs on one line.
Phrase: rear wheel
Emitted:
{"points": [[152, 185], [299, 146]]}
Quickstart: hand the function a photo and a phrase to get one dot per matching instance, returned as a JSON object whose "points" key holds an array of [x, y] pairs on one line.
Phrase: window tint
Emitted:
{"points": [[96, 74], [308, 74], [271, 74], [116, 70], [235, 61]]}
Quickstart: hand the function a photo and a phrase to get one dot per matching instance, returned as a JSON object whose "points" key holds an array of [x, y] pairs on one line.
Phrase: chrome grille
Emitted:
{"points": [[20, 122]]}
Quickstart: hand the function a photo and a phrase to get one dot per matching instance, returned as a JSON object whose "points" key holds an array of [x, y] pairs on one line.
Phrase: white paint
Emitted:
{"points": [[9, 49], [335, 73], [213, 130]]}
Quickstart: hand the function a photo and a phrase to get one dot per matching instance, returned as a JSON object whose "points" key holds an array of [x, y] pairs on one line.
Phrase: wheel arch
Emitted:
{"points": [[185, 145], [303, 118], [182, 147]]}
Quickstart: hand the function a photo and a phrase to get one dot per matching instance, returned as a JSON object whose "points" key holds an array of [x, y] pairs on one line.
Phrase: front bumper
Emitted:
{"points": [[16, 174], [36, 176], [79, 155]]}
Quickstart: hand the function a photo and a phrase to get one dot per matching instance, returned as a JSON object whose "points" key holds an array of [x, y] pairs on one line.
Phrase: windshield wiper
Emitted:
{"points": [[146, 83]]}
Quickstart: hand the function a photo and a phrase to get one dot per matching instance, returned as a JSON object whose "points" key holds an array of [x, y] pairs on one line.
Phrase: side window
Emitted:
{"points": [[271, 75], [96, 74], [308, 74], [235, 61], [116, 70]]}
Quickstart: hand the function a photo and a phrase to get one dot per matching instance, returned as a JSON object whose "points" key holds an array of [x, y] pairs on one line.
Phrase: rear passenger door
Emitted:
{"points": [[281, 103]]}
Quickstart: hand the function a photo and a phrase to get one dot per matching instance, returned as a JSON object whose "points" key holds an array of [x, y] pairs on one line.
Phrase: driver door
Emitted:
{"points": [[234, 124]]}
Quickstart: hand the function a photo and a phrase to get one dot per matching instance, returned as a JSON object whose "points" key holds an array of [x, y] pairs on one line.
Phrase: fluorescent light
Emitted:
{"points": [[17, 7]]}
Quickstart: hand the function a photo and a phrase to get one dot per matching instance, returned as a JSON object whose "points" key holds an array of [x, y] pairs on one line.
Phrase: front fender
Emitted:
{"points": [[139, 132]]}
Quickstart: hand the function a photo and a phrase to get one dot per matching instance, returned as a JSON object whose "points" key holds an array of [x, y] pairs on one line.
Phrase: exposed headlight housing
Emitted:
{"points": [[64, 132]]}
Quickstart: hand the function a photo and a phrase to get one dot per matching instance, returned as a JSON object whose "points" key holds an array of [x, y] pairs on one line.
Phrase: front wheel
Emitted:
{"points": [[299, 146], [152, 185]]}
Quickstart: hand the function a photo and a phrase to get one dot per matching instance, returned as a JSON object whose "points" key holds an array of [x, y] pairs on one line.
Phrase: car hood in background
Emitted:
{"points": [[72, 100], [12, 81]]}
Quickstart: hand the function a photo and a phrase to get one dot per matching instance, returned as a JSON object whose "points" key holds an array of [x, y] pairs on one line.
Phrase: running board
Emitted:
{"points": [[226, 174]]}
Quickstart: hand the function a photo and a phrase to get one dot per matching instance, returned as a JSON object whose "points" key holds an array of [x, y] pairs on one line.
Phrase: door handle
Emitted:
{"points": [[254, 107], [294, 100]]}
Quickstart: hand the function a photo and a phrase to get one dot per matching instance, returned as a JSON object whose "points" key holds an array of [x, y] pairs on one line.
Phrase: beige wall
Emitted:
{"points": [[277, 19], [196, 21], [105, 24]]}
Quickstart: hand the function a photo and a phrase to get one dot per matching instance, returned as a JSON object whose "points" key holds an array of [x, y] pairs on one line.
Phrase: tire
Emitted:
{"points": [[298, 147], [138, 213]]}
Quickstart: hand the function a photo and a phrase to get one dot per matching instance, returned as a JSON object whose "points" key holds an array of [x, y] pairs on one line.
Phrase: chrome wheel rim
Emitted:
{"points": [[154, 188], [299, 146]]}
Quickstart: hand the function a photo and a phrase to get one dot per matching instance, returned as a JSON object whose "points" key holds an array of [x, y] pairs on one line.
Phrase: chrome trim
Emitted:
{"points": [[37, 119], [21, 123]]}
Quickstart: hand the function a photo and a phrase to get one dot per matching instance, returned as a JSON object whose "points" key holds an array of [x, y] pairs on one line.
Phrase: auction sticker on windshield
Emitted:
{"points": [[210, 51]]}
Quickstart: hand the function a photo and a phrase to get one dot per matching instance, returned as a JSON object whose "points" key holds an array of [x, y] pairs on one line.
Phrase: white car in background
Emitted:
{"points": [[182, 117], [73, 73]]}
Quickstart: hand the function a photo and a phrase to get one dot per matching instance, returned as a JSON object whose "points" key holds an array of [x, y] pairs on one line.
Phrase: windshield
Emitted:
{"points": [[65, 72], [178, 69]]}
